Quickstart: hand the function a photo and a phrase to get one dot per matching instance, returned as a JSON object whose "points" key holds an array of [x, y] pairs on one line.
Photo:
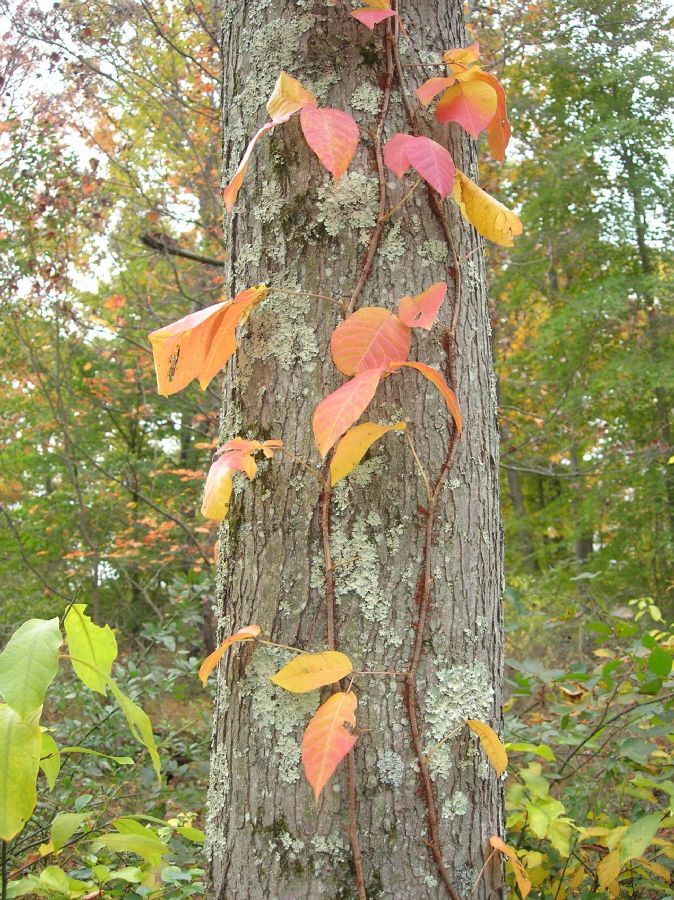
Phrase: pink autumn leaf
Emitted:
{"points": [[332, 135], [422, 310], [426, 157], [372, 17]]}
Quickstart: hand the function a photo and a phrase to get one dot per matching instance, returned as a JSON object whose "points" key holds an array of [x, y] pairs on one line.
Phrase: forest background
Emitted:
{"points": [[110, 226]]}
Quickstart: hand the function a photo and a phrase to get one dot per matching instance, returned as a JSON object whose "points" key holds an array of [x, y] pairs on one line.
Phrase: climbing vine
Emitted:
{"points": [[371, 344]]}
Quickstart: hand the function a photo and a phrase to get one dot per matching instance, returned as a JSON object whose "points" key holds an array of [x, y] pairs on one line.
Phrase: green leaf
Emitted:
{"points": [[120, 760], [139, 723], [24, 887], [64, 827], [50, 759], [55, 879], [146, 845], [539, 749], [29, 664], [20, 745], [94, 648], [660, 662], [638, 836]]}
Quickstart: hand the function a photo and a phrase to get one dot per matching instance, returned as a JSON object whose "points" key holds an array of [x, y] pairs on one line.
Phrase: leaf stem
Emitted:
{"points": [[300, 462], [279, 290], [400, 202], [422, 471], [281, 646]]}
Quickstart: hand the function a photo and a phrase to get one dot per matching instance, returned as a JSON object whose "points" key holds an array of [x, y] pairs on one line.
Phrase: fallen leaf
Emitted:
{"points": [[332, 135], [243, 634], [309, 671], [287, 98], [369, 338], [490, 218], [421, 311], [339, 410], [436, 378], [355, 444], [491, 744], [199, 345], [521, 877], [326, 740]]}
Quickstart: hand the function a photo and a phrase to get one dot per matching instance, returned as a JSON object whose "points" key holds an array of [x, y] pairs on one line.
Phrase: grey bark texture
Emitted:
{"points": [[266, 837]]}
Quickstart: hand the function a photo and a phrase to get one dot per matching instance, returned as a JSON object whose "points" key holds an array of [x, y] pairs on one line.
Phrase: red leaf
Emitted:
{"points": [[339, 410], [332, 135], [369, 338], [422, 311], [436, 378], [326, 740], [395, 153], [428, 158], [372, 17]]}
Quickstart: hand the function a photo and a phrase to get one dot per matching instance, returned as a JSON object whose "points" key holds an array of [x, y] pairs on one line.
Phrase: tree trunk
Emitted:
{"points": [[266, 837]]}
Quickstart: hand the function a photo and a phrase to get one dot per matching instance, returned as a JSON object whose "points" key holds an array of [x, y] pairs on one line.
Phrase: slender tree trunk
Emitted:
{"points": [[266, 836]]}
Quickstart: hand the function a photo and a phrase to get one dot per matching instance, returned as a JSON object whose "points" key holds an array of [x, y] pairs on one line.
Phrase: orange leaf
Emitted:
{"points": [[243, 634], [332, 135], [355, 444], [199, 345], [287, 98], [436, 378], [372, 17], [498, 130], [426, 157], [326, 740], [521, 877], [471, 102], [422, 310], [489, 217], [461, 57], [236, 456], [431, 88], [232, 190], [369, 338], [340, 409], [491, 744]]}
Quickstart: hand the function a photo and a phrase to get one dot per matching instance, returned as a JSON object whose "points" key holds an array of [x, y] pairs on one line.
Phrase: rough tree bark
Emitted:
{"points": [[292, 227]]}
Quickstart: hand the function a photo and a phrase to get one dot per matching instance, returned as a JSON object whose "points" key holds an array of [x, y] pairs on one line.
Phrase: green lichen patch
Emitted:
{"points": [[351, 205]]}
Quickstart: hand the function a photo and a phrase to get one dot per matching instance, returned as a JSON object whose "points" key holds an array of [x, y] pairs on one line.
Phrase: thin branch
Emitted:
{"points": [[164, 244]]}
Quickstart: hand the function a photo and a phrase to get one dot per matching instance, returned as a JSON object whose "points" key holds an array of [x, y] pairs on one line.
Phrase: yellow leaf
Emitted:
{"points": [[491, 744], [288, 97], [355, 444], [309, 671], [521, 876], [243, 634], [609, 868], [489, 217]]}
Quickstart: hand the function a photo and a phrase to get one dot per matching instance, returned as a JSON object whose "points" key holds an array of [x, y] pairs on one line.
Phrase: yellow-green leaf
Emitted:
{"points": [[95, 646], [50, 759], [355, 444], [29, 664], [139, 724], [491, 744], [309, 671], [64, 827], [20, 744], [609, 868]]}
